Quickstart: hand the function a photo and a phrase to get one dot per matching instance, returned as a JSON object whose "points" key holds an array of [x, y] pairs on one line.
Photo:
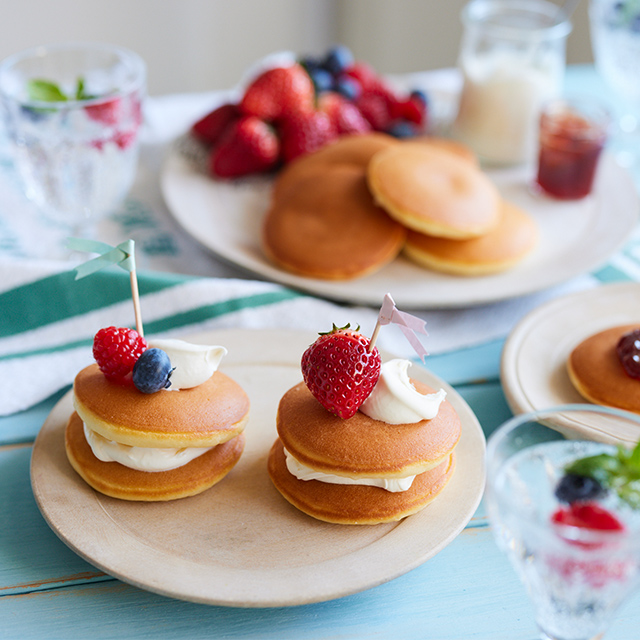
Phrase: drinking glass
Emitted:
{"points": [[615, 36], [512, 58], [575, 577], [73, 114]]}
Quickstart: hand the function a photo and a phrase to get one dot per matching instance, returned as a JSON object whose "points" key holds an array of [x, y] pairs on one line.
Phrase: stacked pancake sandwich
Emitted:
{"points": [[605, 367], [154, 422], [360, 442], [426, 196]]}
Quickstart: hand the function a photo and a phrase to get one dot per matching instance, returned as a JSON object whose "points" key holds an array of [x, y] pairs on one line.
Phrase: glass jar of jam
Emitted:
{"points": [[572, 136]]}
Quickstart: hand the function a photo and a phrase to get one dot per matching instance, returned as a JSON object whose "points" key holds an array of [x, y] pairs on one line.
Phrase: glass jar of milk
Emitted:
{"points": [[512, 58]]}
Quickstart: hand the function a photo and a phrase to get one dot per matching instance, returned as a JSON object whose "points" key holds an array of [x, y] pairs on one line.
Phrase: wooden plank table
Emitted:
{"points": [[467, 591]]}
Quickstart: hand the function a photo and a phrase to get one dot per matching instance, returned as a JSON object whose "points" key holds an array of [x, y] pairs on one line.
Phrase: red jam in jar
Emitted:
{"points": [[570, 145]]}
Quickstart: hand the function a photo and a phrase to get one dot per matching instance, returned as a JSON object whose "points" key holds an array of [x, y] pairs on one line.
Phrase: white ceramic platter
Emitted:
{"points": [[240, 543], [575, 237], [533, 367]]}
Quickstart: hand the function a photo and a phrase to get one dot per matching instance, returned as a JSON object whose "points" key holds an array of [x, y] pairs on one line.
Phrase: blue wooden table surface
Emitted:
{"points": [[467, 591]]}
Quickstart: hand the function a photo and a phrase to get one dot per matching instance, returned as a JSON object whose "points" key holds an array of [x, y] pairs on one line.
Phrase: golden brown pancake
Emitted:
{"points": [[596, 372], [350, 504], [204, 416], [502, 247], [433, 191], [355, 150], [327, 226], [118, 481], [447, 144], [362, 446]]}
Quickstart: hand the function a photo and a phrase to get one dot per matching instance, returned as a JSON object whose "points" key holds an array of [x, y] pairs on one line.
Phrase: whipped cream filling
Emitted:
{"points": [[192, 364], [302, 472], [395, 400], [140, 458]]}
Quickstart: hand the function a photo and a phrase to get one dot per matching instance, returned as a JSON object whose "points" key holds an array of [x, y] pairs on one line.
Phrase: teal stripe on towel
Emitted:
{"points": [[58, 297], [182, 319]]}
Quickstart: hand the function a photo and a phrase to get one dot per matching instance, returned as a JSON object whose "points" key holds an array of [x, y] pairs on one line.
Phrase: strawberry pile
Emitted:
{"points": [[288, 111]]}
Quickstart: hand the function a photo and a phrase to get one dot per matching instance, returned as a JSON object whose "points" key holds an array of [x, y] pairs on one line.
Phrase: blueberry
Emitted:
{"points": [[152, 371], [322, 79], [402, 129], [420, 95], [338, 59], [348, 87], [573, 487]]}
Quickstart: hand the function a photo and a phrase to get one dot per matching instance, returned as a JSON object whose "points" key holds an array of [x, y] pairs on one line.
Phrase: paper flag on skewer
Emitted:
{"points": [[409, 325], [123, 255]]}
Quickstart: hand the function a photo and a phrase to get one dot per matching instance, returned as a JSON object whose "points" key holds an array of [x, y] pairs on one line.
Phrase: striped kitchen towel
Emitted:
{"points": [[47, 323]]}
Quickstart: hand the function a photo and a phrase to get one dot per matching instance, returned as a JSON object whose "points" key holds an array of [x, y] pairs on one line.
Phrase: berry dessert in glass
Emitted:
{"points": [[567, 514]]}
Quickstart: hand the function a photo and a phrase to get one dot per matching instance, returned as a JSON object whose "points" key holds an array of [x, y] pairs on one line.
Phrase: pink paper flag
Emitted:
{"points": [[409, 325]]}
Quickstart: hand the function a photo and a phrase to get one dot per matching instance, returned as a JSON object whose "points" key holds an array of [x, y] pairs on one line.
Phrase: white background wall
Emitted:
{"points": [[194, 45]]}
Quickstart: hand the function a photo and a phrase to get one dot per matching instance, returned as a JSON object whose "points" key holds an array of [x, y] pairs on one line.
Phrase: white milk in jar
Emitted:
{"points": [[512, 60]]}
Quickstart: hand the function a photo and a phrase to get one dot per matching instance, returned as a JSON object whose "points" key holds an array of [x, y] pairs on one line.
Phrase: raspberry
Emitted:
{"points": [[116, 350]]}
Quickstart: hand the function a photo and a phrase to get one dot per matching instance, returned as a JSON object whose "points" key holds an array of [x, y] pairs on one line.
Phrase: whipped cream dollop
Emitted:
{"points": [[140, 458], [302, 472], [192, 364], [395, 400]]}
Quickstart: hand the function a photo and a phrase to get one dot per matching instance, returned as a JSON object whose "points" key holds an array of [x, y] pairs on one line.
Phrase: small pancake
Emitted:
{"points": [[329, 227], [118, 481], [362, 446], [502, 247], [204, 416], [356, 150], [356, 504], [597, 373], [432, 191]]}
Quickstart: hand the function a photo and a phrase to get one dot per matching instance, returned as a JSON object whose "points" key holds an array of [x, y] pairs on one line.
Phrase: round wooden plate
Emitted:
{"points": [[240, 543], [533, 367]]}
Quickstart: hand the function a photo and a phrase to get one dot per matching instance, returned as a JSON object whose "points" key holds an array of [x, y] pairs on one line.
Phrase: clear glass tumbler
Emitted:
{"points": [[576, 576], [73, 114], [512, 58]]}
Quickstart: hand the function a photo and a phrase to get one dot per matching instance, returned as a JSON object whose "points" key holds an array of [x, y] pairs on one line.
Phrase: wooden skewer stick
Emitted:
{"points": [[136, 301], [374, 335]]}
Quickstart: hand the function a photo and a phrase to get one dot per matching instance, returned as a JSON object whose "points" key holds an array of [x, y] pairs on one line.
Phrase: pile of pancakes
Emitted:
{"points": [[352, 207], [212, 414], [360, 447], [597, 373]]}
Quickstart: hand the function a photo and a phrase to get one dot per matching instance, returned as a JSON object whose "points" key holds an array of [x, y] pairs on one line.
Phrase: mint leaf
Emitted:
{"points": [[619, 472], [45, 91]]}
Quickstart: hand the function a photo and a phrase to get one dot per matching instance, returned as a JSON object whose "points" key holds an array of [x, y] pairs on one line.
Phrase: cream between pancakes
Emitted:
{"points": [[151, 459], [302, 472], [394, 400]]}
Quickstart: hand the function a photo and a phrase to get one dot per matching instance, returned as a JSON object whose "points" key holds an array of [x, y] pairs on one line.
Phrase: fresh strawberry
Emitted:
{"points": [[116, 350], [279, 92], [210, 128], [363, 73], [413, 109], [340, 371], [344, 115], [105, 112], [587, 515], [304, 133], [249, 145], [375, 110]]}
